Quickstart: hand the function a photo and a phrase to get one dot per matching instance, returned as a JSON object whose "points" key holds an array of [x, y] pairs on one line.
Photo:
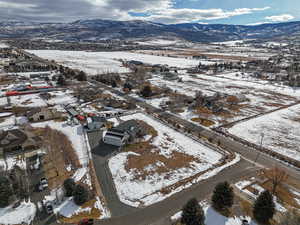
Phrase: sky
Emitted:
{"points": [[243, 12]]}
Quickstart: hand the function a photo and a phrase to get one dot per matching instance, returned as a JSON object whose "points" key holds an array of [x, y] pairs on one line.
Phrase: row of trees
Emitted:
{"points": [[222, 200], [79, 192]]}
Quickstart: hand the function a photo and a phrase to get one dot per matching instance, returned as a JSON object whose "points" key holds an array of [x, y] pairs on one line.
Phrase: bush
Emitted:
{"points": [[80, 195], [192, 213], [146, 91], [69, 186], [264, 207], [222, 196], [5, 192]]}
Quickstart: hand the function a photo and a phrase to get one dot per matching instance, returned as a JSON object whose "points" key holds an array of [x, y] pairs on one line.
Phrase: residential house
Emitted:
{"points": [[125, 133], [41, 114], [17, 142], [96, 123]]}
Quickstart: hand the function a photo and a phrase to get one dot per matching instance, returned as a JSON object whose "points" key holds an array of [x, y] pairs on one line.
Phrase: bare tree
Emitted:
{"points": [[276, 175]]}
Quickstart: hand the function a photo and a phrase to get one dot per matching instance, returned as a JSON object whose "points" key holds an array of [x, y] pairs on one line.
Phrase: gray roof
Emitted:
{"points": [[130, 126]]}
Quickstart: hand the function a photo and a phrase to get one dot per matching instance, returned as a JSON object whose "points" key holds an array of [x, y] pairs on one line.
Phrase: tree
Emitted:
{"points": [[61, 80], [113, 83], [192, 213], [290, 218], [69, 186], [264, 207], [80, 195], [276, 175], [222, 196], [5, 191], [81, 76], [146, 91]]}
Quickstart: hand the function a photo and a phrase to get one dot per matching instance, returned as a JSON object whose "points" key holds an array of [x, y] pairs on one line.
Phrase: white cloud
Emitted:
{"points": [[161, 11], [185, 15], [280, 18]]}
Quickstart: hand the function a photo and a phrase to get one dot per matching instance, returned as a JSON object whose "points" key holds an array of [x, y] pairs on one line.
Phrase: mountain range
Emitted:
{"points": [[97, 29]]}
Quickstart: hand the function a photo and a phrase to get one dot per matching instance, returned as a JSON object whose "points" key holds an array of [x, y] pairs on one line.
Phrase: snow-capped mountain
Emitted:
{"points": [[97, 29]]}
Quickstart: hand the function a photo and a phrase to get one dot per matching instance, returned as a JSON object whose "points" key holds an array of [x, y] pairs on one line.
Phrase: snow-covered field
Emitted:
{"points": [[34, 100], [161, 171], [281, 131], [3, 45], [31, 100], [159, 42], [214, 218], [100, 62], [24, 213], [90, 62]]}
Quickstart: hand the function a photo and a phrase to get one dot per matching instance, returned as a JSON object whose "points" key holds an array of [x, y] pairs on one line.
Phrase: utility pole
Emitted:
{"points": [[261, 143]]}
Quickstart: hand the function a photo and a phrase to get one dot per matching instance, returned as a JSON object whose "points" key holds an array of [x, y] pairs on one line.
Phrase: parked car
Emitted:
{"points": [[43, 184], [48, 207]]}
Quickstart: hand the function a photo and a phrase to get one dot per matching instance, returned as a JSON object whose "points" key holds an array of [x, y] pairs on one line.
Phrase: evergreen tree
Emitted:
{"points": [[80, 195], [222, 196], [5, 192], [82, 76], [192, 213], [114, 83], [69, 186], [264, 207], [147, 91]]}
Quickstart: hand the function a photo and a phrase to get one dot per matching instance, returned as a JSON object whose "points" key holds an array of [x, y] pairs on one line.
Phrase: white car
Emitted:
{"points": [[43, 184]]}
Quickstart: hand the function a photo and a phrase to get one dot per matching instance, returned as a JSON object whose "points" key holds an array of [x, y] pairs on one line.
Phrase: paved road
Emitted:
{"points": [[101, 152], [160, 212]]}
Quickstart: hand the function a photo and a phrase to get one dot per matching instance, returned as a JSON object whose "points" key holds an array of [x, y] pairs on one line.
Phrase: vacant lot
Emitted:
{"points": [[159, 166], [280, 129]]}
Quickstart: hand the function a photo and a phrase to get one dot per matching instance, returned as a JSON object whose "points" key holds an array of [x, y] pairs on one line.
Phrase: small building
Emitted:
{"points": [[18, 141], [95, 123], [124, 133], [41, 114]]}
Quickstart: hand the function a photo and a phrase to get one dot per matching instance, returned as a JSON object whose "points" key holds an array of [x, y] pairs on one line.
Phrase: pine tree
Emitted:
{"points": [[82, 76], [80, 195], [222, 196], [5, 192], [264, 207], [69, 186], [192, 213]]}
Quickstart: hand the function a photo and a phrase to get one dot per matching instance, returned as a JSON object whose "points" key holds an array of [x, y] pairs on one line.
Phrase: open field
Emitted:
{"points": [[103, 62], [90, 62], [162, 165], [280, 129]]}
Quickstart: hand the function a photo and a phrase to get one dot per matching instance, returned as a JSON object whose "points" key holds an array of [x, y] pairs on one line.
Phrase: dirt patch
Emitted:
{"points": [[282, 193], [151, 162], [204, 122]]}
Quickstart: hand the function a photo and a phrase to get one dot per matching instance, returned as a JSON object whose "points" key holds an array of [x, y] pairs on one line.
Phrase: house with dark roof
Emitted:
{"points": [[17, 141], [95, 123], [124, 133]]}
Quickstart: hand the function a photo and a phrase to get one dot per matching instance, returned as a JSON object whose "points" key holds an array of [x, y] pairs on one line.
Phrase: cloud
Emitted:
{"points": [[280, 18], [194, 15], [161, 11]]}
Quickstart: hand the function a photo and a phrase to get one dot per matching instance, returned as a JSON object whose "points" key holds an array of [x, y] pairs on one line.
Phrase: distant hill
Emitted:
{"points": [[107, 29]]}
